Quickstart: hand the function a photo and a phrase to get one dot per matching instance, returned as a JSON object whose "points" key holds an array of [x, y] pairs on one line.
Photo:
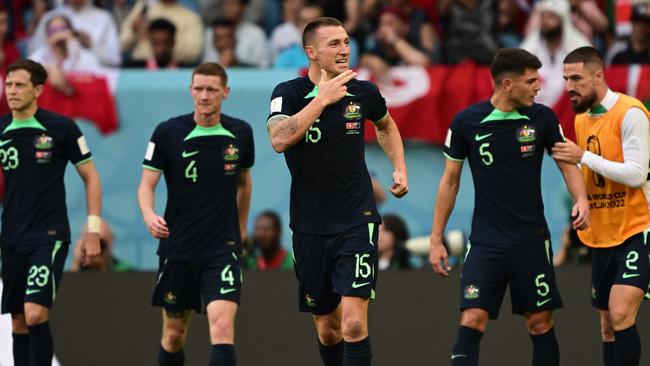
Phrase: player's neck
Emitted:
{"points": [[601, 92], [208, 120], [25, 113], [314, 74], [501, 102]]}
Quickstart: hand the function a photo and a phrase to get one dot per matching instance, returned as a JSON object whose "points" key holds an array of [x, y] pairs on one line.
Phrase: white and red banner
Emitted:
{"points": [[423, 101]]}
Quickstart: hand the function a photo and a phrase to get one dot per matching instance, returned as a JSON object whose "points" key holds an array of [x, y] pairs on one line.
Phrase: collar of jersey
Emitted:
{"points": [[314, 92], [606, 104], [216, 130], [24, 123], [497, 115]]}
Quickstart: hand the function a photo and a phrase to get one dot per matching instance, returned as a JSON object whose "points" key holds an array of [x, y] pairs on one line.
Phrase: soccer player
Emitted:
{"points": [[318, 122], [35, 147], [205, 157], [504, 140], [612, 149]]}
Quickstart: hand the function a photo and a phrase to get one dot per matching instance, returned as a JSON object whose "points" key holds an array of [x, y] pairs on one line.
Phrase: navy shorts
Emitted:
{"points": [[625, 264], [32, 275], [527, 268], [331, 266], [183, 285]]}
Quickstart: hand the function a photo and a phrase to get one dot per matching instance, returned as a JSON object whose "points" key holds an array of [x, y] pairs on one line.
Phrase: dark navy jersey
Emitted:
{"points": [[505, 152], [331, 189], [200, 166], [34, 154]]}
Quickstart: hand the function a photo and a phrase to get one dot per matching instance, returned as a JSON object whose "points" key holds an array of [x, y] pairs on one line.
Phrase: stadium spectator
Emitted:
{"points": [[288, 45], [96, 30], [105, 262], [551, 41], [224, 43], [189, 30], [162, 35], [267, 252], [63, 53], [256, 10], [347, 11], [393, 234], [251, 44], [398, 43], [510, 23], [469, 30], [8, 50], [288, 33], [585, 15], [637, 50]]}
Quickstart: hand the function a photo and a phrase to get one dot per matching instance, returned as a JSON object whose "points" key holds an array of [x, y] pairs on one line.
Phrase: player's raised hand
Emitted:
{"points": [[332, 90], [580, 215], [90, 248], [400, 186], [157, 226], [567, 151], [438, 257]]}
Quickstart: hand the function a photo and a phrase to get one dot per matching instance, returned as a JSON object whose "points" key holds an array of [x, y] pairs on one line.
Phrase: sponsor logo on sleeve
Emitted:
{"points": [[276, 105], [148, 155], [83, 146]]}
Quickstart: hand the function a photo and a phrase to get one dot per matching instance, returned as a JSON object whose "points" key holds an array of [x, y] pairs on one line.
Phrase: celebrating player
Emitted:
{"points": [[504, 140], [318, 122], [35, 147], [613, 149], [205, 157]]}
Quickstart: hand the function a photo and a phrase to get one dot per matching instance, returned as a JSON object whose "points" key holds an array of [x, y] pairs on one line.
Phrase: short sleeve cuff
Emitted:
{"points": [[449, 157], [84, 161], [149, 167]]}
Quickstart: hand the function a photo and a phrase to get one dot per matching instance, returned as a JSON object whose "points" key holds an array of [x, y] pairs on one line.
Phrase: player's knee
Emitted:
{"points": [[620, 319], [174, 338], [35, 315], [18, 324], [539, 326], [606, 332], [329, 336], [354, 329], [222, 328], [473, 319]]}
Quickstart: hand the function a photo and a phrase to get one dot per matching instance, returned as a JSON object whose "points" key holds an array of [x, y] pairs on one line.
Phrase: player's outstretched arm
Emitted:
{"points": [[156, 225], [285, 132], [90, 249], [576, 186], [390, 141], [244, 192], [447, 191]]}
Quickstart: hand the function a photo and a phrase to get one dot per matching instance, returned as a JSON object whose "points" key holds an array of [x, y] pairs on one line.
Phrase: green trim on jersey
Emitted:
{"points": [[151, 168], [84, 161], [498, 115], [24, 123], [381, 119], [597, 110], [452, 158], [57, 246], [314, 92], [371, 230], [217, 130], [548, 250]]}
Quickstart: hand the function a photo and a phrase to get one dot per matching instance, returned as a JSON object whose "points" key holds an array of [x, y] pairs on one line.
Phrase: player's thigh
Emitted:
{"points": [[355, 270], [313, 267], [604, 270], [44, 271], [624, 303], [484, 279], [533, 285], [178, 286], [221, 279]]}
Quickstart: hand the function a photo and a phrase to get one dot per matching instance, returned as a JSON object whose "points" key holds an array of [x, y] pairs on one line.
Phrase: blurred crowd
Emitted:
{"points": [[87, 35]]}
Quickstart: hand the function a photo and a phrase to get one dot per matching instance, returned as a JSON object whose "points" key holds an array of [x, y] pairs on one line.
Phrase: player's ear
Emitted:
{"points": [[38, 89], [311, 53], [226, 92], [506, 83], [599, 77]]}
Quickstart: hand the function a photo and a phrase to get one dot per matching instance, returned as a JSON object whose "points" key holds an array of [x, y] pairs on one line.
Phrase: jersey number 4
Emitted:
{"points": [[191, 172]]}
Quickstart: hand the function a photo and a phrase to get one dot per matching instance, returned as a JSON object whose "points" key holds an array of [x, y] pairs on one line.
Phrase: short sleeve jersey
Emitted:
{"points": [[34, 154], [505, 152], [200, 166], [331, 189]]}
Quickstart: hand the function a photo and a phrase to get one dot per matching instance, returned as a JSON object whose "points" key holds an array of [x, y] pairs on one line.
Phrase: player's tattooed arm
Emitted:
{"points": [[389, 139], [282, 127], [176, 314]]}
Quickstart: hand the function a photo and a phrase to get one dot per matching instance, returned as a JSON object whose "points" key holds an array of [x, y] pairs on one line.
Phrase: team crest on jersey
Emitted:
{"points": [[43, 142], [526, 134], [472, 292], [230, 153], [352, 111], [310, 301], [170, 298]]}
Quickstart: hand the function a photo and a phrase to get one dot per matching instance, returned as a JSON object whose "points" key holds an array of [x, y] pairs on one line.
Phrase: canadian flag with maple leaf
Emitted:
{"points": [[423, 101]]}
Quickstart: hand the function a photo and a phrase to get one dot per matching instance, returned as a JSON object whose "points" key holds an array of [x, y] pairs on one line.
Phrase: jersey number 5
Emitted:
{"points": [[487, 157]]}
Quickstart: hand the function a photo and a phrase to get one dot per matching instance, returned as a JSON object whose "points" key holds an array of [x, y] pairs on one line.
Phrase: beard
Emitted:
{"points": [[552, 34], [581, 106]]}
